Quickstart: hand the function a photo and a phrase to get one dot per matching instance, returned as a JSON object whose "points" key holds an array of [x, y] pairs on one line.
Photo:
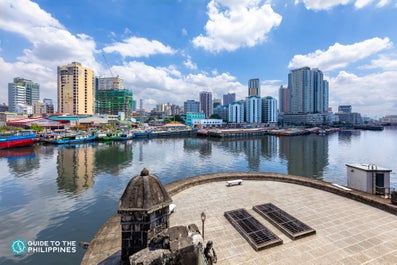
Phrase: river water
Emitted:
{"points": [[65, 193]]}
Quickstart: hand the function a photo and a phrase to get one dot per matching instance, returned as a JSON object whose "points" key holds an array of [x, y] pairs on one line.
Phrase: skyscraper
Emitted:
{"points": [[229, 98], [254, 87], [283, 99], [253, 110], [306, 91], [206, 103], [22, 91], [191, 106], [236, 112], [269, 110], [75, 89]]}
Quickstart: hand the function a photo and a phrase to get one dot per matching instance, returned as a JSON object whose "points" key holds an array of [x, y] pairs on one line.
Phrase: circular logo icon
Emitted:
{"points": [[18, 247]]}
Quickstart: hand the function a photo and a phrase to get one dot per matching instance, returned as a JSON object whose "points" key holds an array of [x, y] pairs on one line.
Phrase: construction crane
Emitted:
{"points": [[116, 80]]}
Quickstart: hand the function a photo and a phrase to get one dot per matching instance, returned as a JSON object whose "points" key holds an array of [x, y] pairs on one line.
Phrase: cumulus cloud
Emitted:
{"points": [[329, 4], [168, 85], [50, 41], [189, 64], [383, 62], [339, 56], [235, 24], [138, 47], [371, 94]]}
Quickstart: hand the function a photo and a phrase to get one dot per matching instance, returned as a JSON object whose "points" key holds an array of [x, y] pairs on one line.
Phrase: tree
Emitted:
{"points": [[36, 127], [215, 116]]}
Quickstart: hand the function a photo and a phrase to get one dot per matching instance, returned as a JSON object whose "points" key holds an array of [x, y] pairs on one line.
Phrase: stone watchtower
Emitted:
{"points": [[144, 212]]}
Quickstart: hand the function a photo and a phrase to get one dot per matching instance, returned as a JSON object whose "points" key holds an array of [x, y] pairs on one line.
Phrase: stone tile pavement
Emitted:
{"points": [[347, 231]]}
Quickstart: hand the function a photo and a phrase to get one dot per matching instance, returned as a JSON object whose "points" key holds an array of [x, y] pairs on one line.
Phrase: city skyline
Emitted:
{"points": [[170, 51]]}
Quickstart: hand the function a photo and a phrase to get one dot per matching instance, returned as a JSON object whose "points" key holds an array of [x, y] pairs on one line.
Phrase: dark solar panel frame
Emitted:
{"points": [[288, 224], [257, 235]]}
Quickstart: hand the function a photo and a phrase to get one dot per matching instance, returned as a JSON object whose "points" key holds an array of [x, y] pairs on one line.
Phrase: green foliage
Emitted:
{"points": [[36, 127]]}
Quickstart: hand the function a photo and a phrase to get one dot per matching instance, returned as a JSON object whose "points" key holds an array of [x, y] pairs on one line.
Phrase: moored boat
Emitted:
{"points": [[18, 139]]}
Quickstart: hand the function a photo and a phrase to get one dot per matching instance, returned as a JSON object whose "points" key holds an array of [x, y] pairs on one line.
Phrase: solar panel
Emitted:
{"points": [[288, 224], [257, 235]]}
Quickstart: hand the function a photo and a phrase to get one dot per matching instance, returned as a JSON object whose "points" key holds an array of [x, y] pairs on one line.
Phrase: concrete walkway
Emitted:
{"points": [[347, 231]]}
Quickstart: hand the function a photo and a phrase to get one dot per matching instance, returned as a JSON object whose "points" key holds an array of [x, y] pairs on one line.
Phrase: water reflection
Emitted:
{"points": [[22, 160], [203, 146], [75, 166], [345, 136], [112, 157], [307, 155]]}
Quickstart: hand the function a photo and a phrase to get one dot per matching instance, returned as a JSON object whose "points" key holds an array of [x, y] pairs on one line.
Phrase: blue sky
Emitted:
{"points": [[169, 51]]}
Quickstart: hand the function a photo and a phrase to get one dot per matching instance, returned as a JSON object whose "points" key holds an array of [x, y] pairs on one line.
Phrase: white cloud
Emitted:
{"points": [[235, 24], [49, 47], [372, 94], [339, 56], [383, 62], [138, 47], [50, 41], [189, 64], [329, 4], [153, 84]]}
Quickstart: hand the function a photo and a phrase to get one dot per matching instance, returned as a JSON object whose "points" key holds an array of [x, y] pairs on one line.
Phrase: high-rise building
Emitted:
{"points": [[216, 102], [254, 87], [283, 99], [76, 93], [345, 109], [269, 110], [191, 106], [22, 91], [236, 112], [229, 98], [253, 109], [206, 103], [108, 83], [306, 91], [49, 106]]}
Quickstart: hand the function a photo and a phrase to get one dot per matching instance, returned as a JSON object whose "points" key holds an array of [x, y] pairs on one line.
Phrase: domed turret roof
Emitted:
{"points": [[144, 193]]}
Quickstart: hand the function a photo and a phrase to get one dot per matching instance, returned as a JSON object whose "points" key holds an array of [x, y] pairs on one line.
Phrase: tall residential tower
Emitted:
{"points": [[22, 92], [76, 89]]}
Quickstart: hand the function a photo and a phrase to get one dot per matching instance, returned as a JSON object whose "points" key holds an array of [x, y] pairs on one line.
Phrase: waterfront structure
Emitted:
{"points": [[144, 212], [108, 83], [389, 119], [229, 98], [269, 110], [191, 106], [190, 116], [253, 109], [76, 89], [236, 112], [114, 102], [202, 123], [254, 87], [206, 103], [22, 92], [283, 99], [307, 91]]}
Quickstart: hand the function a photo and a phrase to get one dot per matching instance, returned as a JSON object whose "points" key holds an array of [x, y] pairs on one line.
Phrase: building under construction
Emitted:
{"points": [[114, 102]]}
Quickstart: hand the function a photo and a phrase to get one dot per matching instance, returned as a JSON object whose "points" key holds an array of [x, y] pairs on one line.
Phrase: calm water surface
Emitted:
{"points": [[67, 192]]}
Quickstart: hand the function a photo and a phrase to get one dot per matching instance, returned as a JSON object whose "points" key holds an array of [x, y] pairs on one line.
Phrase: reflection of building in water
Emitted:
{"points": [[75, 165], [307, 155], [203, 146], [112, 157], [252, 148], [269, 146], [345, 136]]}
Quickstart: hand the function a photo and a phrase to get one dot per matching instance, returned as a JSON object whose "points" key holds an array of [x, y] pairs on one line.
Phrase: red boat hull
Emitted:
{"points": [[17, 143]]}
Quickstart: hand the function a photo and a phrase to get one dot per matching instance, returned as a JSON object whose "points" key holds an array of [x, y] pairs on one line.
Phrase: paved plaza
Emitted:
{"points": [[347, 231]]}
